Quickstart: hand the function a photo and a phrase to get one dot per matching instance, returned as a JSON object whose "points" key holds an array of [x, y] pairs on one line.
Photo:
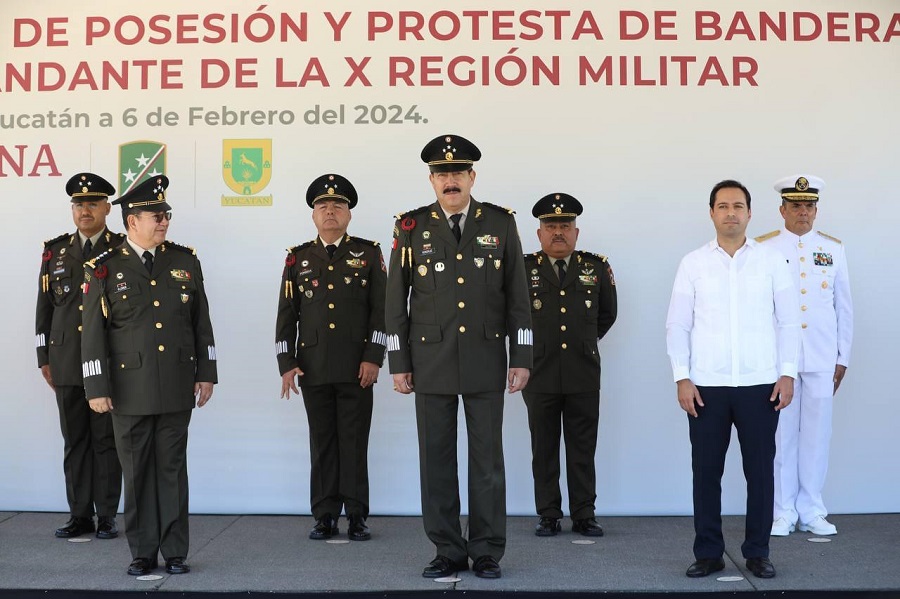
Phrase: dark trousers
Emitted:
{"points": [[90, 463], [436, 417], [340, 416], [153, 451], [575, 416], [755, 419]]}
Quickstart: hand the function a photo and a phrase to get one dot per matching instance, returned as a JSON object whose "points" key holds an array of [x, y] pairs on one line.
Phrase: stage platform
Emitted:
{"points": [[255, 556]]}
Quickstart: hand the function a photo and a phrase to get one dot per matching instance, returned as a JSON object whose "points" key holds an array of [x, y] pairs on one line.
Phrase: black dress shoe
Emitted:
{"points": [[547, 527], [325, 528], [761, 567], [106, 528], [357, 529], [141, 566], [588, 527], [442, 566], [486, 567], [75, 527], [176, 565], [705, 567]]}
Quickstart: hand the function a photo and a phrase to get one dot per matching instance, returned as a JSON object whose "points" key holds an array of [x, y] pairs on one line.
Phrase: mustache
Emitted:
{"points": [[451, 189]]}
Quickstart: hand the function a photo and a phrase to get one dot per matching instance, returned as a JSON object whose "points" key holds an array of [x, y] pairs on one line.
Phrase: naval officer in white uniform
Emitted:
{"points": [[804, 430]]}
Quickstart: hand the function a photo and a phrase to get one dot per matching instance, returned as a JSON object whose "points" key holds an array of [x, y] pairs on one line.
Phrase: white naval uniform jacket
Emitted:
{"points": [[819, 265]]}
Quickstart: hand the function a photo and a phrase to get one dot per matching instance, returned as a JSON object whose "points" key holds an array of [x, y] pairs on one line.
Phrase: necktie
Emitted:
{"points": [[457, 232], [331, 249], [148, 262], [561, 268], [88, 246]]}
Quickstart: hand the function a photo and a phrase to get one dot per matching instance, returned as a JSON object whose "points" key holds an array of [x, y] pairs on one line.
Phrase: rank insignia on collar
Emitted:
{"points": [[478, 213], [180, 275], [434, 215], [488, 242]]}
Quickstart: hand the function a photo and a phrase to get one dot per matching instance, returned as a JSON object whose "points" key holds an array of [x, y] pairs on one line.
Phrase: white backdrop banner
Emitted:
{"points": [[635, 108]]}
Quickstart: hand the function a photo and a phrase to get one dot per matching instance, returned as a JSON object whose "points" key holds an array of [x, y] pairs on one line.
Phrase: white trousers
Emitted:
{"points": [[801, 454]]}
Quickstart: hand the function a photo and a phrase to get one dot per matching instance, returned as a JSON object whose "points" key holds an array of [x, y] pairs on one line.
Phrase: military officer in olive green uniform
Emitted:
{"points": [[149, 356], [90, 463], [458, 264], [332, 294], [573, 305]]}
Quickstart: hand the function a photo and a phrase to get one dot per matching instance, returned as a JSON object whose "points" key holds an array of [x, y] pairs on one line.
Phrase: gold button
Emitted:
{"points": [[800, 245], [330, 267], [562, 328], [161, 348], [496, 334], [563, 309], [802, 258], [302, 344], [124, 297], [803, 325], [156, 303], [803, 291], [158, 325], [562, 292], [423, 338], [121, 365], [459, 256], [564, 346], [330, 286], [803, 308], [462, 329], [153, 282], [80, 308], [461, 304], [331, 306], [183, 287], [802, 275], [460, 280], [79, 328], [330, 325]]}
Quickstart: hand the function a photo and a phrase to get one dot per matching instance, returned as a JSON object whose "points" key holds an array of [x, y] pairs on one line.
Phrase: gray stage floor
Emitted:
{"points": [[273, 553]]}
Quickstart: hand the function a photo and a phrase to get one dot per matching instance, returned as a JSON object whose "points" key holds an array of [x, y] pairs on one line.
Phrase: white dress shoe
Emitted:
{"points": [[781, 527], [819, 526]]}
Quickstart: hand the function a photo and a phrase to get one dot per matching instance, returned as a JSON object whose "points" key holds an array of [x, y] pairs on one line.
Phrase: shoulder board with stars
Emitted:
{"points": [[363, 241], [411, 212], [117, 237], [532, 257], [50, 242], [175, 246], [767, 236], [599, 257], [827, 236], [496, 207], [302, 246], [97, 261]]}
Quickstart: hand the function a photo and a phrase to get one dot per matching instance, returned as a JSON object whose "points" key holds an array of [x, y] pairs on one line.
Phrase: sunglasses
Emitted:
{"points": [[161, 216]]}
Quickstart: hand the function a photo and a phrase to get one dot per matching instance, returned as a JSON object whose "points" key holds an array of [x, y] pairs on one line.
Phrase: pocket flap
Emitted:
{"points": [[57, 337], [425, 333], [126, 361]]}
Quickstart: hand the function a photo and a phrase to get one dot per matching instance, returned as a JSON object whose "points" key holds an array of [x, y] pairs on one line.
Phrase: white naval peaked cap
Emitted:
{"points": [[801, 187]]}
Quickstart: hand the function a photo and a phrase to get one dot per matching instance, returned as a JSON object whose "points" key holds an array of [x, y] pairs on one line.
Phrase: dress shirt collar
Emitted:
{"points": [[139, 250]]}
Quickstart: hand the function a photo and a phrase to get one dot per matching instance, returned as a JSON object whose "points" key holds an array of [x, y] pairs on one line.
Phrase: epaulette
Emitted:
{"points": [[827, 236], [110, 236], [599, 257], [532, 256], [768, 235], [50, 242], [98, 260], [302, 246], [175, 246], [411, 212], [364, 241], [501, 208]]}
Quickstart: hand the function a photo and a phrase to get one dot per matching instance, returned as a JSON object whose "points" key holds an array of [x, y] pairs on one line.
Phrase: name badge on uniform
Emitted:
{"points": [[180, 275], [823, 259], [488, 242]]}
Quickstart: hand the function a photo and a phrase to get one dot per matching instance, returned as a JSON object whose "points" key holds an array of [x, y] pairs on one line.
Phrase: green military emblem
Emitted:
{"points": [[139, 161], [247, 164]]}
